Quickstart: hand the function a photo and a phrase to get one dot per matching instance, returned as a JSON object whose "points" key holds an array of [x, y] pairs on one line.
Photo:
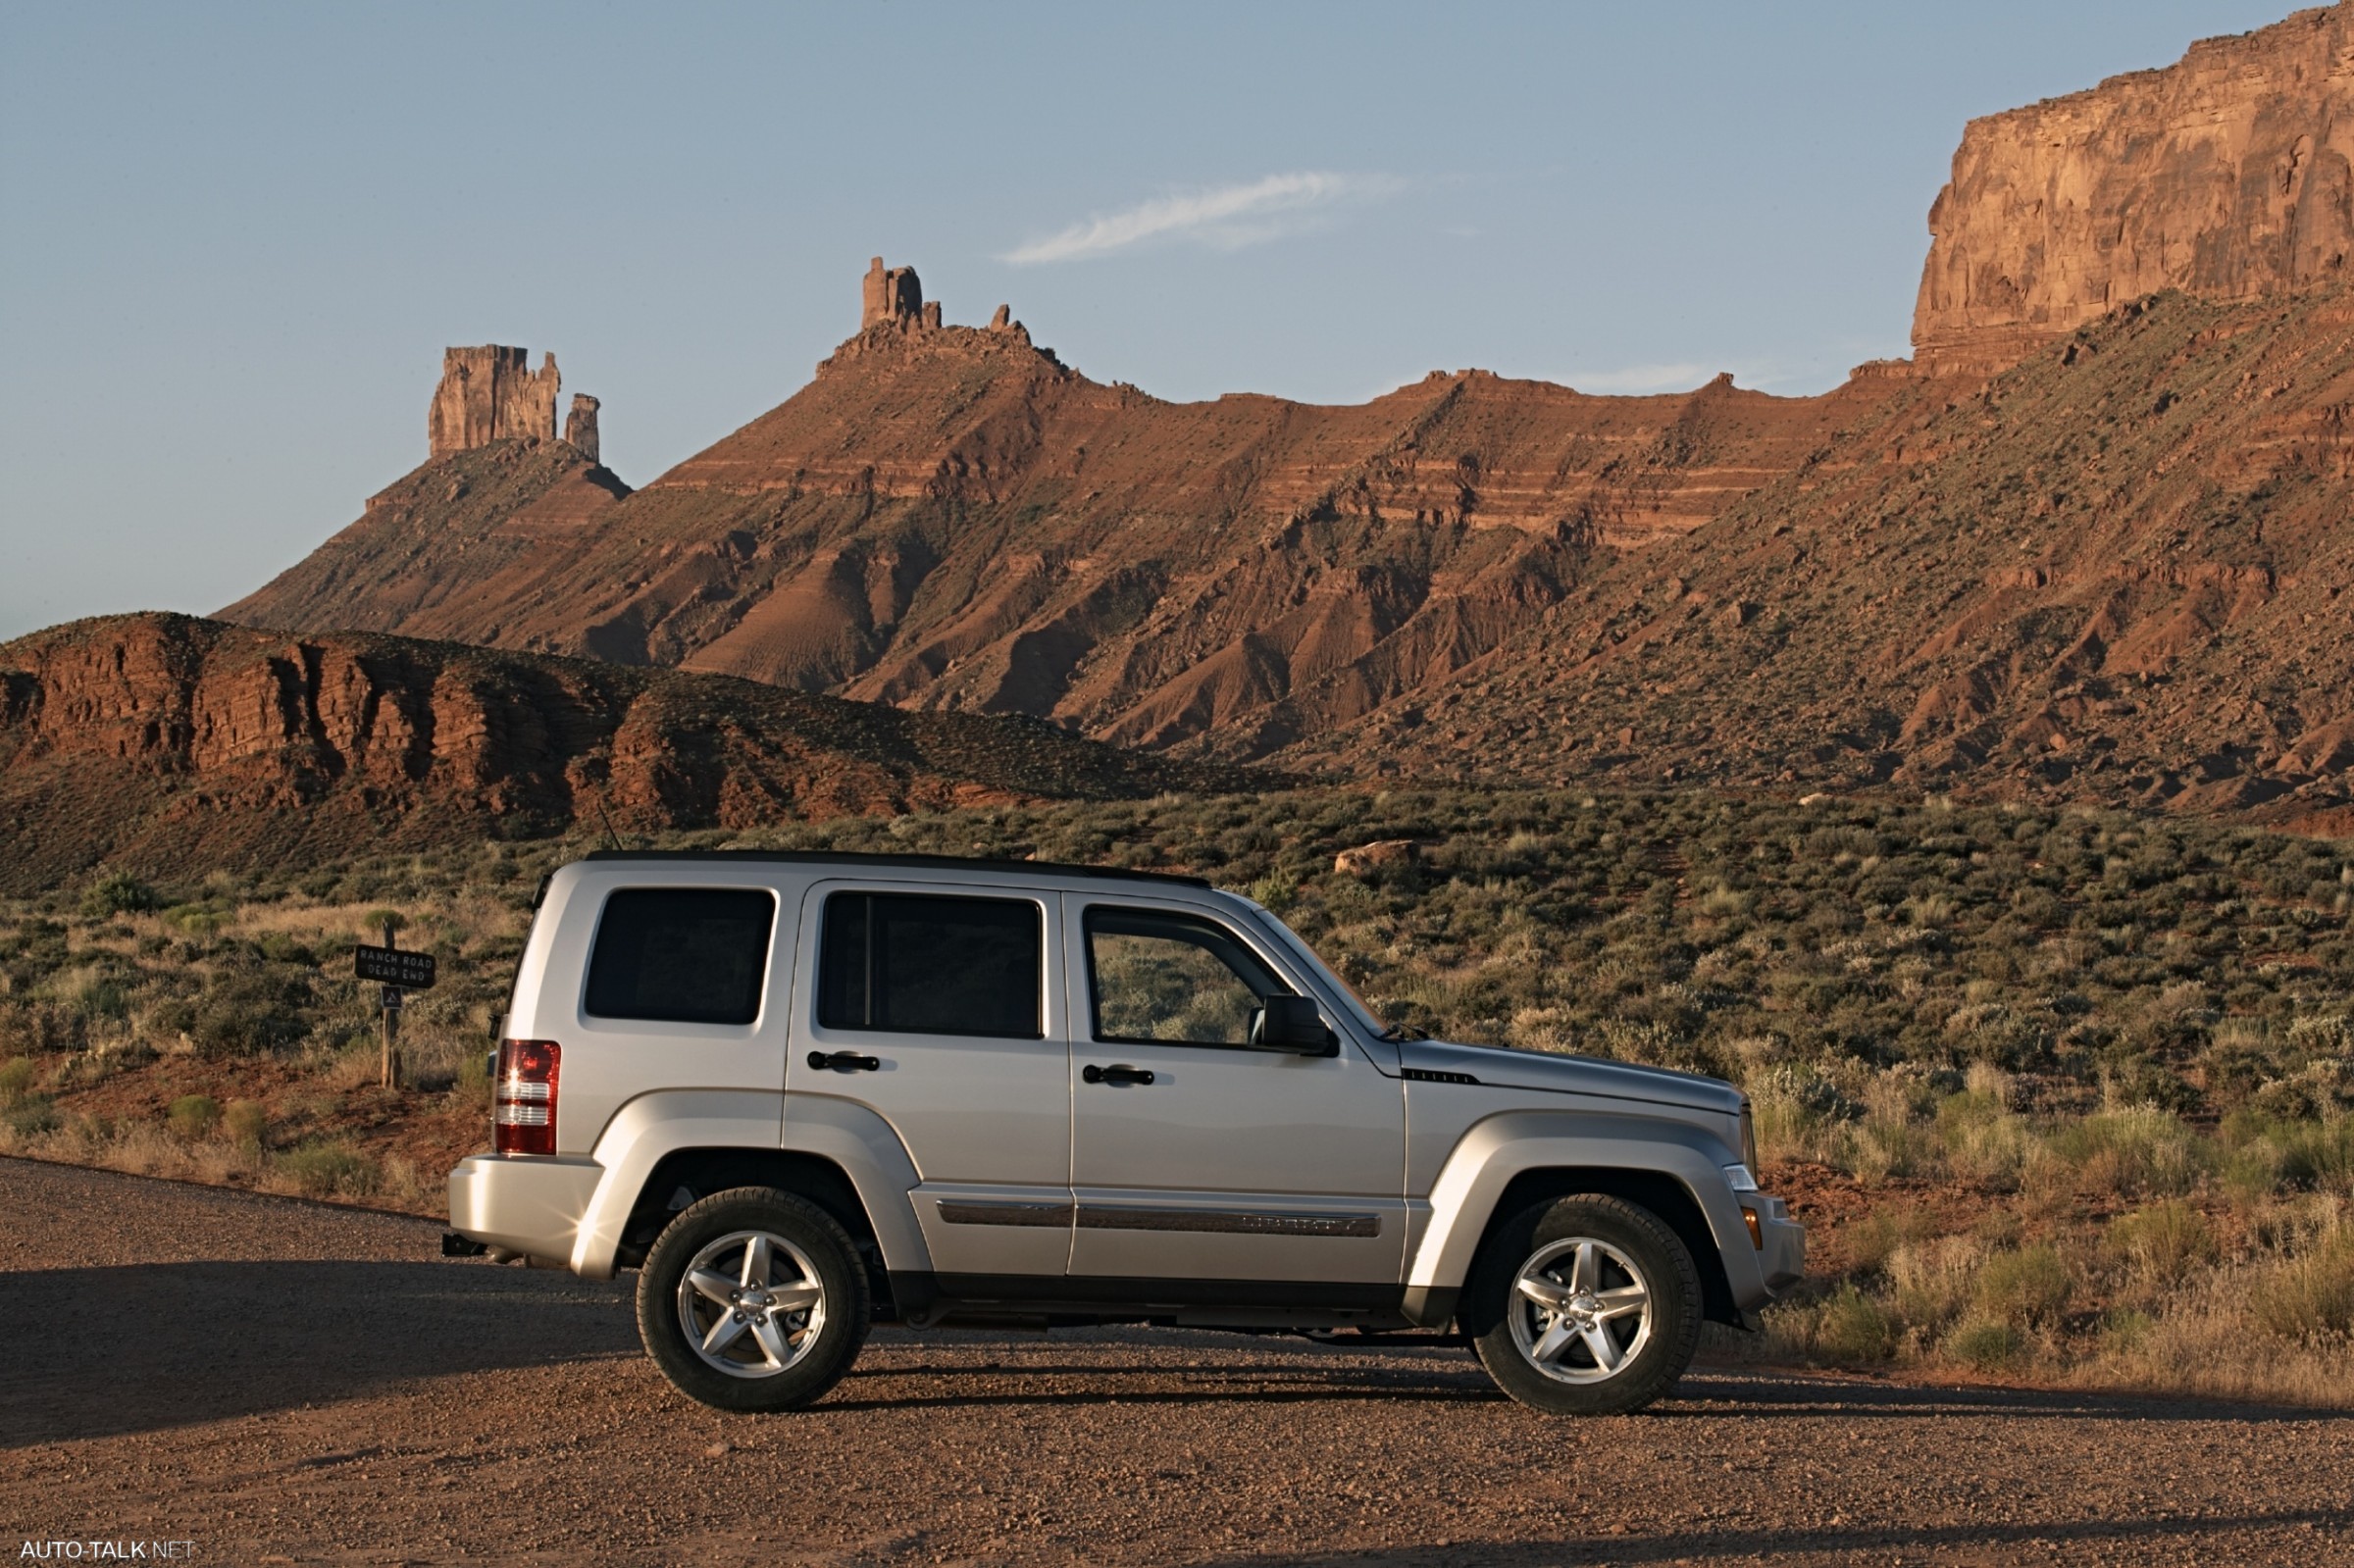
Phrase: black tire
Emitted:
{"points": [[780, 1363], [1630, 1248]]}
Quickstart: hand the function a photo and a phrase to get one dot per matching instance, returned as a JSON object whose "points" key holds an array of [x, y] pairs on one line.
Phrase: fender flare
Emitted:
{"points": [[653, 1126], [1511, 1144]]}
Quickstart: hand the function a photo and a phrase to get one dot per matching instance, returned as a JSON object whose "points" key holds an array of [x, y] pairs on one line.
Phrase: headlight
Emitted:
{"points": [[1739, 1179], [1749, 1136]]}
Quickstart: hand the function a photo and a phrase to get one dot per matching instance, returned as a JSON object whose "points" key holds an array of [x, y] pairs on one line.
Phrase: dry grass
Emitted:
{"points": [[2093, 1073]]}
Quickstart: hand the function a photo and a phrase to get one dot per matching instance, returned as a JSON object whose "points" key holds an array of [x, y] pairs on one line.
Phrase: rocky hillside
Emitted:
{"points": [[2124, 570], [949, 518], [170, 747]]}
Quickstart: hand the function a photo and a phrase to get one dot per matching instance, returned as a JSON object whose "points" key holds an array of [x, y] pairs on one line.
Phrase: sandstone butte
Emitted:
{"points": [[170, 746], [2092, 540]]}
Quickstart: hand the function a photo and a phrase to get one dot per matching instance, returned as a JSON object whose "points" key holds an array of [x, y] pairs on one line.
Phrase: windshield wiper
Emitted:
{"points": [[1399, 1034]]}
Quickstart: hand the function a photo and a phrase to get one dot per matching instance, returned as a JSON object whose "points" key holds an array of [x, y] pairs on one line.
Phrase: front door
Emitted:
{"points": [[1224, 1163], [943, 1014]]}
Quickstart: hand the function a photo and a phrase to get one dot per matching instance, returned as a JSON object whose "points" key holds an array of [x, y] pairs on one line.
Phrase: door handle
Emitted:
{"points": [[845, 1062], [1117, 1074]]}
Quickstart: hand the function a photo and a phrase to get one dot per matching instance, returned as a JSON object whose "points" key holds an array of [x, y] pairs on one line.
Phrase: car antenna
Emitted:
{"points": [[611, 837]]}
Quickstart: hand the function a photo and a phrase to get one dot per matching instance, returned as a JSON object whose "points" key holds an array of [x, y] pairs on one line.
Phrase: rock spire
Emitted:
{"points": [[490, 393]]}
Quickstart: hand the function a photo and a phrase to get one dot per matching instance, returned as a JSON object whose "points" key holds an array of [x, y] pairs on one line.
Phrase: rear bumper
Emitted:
{"points": [[523, 1203]]}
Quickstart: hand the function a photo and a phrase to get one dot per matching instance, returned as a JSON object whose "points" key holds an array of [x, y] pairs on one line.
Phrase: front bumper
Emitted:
{"points": [[1781, 1244], [524, 1203]]}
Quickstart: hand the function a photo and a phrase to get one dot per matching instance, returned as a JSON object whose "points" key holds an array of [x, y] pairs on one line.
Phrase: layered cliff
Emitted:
{"points": [[948, 517], [174, 746], [2122, 570], [2230, 175]]}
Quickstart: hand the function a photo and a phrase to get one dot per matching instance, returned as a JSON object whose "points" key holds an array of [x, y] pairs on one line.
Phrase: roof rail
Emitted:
{"points": [[843, 857]]}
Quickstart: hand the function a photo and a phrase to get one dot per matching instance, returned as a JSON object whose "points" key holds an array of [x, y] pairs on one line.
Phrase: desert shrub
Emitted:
{"points": [[328, 1169], [2132, 1078], [1850, 1326], [15, 1081], [103, 997], [2124, 1330], [1887, 1147], [2128, 1152], [2318, 1090], [251, 1008], [2166, 1241], [2312, 1296], [32, 1116], [2233, 1068], [118, 893], [2026, 1288], [33, 1027], [192, 1116], [1875, 1239], [1791, 1103], [1933, 1279], [1983, 1141], [199, 920], [1988, 1344], [2321, 1035], [246, 1123], [2267, 1153]]}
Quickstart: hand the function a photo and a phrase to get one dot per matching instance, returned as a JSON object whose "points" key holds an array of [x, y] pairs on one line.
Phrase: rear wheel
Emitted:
{"points": [[753, 1299], [1584, 1305]]}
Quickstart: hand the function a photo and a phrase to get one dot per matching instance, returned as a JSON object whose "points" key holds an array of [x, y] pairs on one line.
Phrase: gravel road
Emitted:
{"points": [[281, 1382]]}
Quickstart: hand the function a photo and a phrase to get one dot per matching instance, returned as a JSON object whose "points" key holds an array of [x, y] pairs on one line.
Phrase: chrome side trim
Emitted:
{"points": [[1226, 1222], [958, 1211]]}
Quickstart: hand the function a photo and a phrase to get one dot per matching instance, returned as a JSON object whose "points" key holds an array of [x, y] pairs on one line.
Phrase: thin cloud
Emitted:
{"points": [[1227, 216]]}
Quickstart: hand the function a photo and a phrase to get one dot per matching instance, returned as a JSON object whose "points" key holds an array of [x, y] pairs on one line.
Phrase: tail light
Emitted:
{"points": [[523, 1115]]}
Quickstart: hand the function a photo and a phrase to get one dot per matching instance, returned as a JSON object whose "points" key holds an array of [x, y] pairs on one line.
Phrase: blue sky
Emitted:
{"points": [[234, 239]]}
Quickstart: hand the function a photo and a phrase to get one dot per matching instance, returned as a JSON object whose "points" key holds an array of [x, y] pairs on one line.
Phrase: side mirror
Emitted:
{"points": [[1289, 1024]]}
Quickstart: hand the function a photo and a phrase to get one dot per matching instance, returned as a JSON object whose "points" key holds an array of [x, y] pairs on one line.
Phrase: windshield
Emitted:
{"points": [[1315, 966]]}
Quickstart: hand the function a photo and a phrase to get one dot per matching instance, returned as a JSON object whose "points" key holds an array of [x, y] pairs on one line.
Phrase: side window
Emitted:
{"points": [[1172, 977], [681, 955], [931, 966]]}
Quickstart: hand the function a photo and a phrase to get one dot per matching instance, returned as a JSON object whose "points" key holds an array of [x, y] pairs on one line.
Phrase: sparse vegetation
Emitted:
{"points": [[2084, 1080]]}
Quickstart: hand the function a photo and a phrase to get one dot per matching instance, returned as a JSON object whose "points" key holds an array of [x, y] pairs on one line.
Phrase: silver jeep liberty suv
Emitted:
{"points": [[799, 1092]]}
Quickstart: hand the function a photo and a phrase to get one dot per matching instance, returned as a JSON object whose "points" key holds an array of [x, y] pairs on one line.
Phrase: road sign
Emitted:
{"points": [[391, 999], [394, 966]]}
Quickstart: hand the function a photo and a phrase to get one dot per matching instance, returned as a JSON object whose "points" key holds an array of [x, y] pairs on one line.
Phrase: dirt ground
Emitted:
{"points": [[276, 1381]]}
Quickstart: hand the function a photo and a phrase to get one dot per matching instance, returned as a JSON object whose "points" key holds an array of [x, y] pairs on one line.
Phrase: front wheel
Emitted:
{"points": [[1584, 1305], [753, 1299]]}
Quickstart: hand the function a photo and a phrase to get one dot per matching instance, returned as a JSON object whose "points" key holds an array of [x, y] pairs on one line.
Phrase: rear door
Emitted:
{"points": [[662, 978], [939, 1008], [1226, 1163]]}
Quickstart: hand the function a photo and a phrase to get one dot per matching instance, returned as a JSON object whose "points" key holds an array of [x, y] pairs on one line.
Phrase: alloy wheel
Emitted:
{"points": [[1580, 1310], [750, 1304]]}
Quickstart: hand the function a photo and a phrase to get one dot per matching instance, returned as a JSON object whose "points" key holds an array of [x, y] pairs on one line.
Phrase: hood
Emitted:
{"points": [[1573, 1075]]}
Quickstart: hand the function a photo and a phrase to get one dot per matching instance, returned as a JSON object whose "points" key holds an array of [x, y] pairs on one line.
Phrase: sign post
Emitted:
{"points": [[391, 1073], [399, 971]]}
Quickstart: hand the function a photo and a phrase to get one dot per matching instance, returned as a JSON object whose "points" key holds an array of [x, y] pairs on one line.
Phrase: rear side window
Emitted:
{"points": [[931, 966], [681, 955]]}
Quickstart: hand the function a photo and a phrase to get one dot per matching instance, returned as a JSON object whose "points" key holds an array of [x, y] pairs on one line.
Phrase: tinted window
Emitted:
{"points": [[681, 955], [1171, 978], [931, 966]]}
